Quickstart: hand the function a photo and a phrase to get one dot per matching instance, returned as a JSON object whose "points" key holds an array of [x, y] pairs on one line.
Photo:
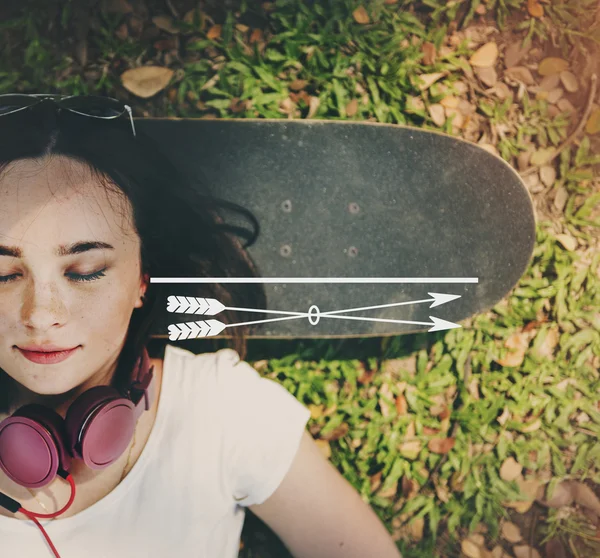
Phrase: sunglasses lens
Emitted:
{"points": [[11, 103], [94, 106]]}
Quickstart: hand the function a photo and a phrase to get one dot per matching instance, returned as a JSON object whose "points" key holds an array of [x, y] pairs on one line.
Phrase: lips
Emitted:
{"points": [[45, 348], [46, 357]]}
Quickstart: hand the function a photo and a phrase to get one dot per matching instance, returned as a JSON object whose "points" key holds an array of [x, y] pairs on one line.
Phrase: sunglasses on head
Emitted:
{"points": [[93, 106]]}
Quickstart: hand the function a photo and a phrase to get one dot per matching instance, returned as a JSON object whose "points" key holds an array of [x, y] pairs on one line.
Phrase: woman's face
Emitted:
{"points": [[45, 296]]}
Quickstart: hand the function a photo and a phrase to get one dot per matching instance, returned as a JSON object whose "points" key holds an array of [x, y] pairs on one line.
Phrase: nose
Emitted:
{"points": [[43, 308]]}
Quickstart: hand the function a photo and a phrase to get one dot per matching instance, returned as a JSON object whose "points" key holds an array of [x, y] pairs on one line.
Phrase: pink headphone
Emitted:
{"points": [[36, 443]]}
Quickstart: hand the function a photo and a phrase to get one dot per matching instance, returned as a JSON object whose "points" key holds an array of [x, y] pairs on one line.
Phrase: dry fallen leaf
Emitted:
{"points": [[315, 411], [565, 105], [166, 23], [146, 81], [465, 107], [459, 118], [214, 32], [549, 83], [441, 445], [470, 549], [389, 492], [534, 8], [531, 489], [520, 506], [411, 448], [523, 160], [504, 416], [477, 538], [516, 344], [487, 76], [567, 241], [502, 91], [593, 124], [360, 15], [511, 532], [449, 102], [352, 107], [401, 405], [541, 156], [416, 528], [510, 470], [552, 65], [367, 374], [429, 53], [442, 493], [555, 95], [569, 80], [485, 56], [546, 349], [375, 481], [532, 426], [460, 87], [410, 487], [430, 431], [561, 496], [561, 198], [514, 54], [427, 80], [568, 492], [336, 433], [520, 73], [414, 104], [385, 391], [547, 175], [437, 114]]}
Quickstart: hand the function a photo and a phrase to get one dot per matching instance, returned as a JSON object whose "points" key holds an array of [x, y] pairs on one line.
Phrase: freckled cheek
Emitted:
{"points": [[107, 314], [7, 317]]}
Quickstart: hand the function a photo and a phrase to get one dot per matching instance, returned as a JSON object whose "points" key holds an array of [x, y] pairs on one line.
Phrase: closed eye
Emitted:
{"points": [[76, 277]]}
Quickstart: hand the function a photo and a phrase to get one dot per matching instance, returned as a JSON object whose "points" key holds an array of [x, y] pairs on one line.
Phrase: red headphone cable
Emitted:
{"points": [[14, 507]]}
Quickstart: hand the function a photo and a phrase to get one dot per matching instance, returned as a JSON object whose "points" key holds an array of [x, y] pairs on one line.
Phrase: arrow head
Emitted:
{"points": [[442, 298], [441, 325], [216, 327]]}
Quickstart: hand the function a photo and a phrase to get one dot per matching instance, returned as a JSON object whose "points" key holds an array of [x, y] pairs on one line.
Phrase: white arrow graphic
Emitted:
{"points": [[211, 306], [194, 330], [194, 305]]}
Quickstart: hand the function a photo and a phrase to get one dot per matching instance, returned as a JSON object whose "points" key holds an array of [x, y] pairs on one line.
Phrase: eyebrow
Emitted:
{"points": [[68, 250]]}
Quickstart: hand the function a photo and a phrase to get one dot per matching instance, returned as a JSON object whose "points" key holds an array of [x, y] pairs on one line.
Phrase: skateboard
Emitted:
{"points": [[366, 229]]}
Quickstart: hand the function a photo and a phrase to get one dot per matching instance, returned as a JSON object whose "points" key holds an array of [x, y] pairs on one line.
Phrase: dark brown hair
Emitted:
{"points": [[181, 231]]}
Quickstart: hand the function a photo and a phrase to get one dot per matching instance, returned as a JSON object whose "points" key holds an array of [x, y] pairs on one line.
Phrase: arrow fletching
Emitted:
{"points": [[194, 305], [195, 330]]}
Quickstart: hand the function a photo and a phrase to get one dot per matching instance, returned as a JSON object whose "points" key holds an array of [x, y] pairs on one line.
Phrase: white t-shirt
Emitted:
{"points": [[221, 432]]}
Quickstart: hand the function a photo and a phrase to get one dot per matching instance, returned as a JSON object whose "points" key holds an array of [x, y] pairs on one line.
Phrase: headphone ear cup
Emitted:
{"points": [[99, 426], [33, 446]]}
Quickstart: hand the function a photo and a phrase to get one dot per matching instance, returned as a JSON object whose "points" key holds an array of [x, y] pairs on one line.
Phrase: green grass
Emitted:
{"points": [[322, 44]]}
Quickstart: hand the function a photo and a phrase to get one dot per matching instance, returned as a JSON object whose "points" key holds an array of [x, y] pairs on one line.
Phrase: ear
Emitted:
{"points": [[143, 287]]}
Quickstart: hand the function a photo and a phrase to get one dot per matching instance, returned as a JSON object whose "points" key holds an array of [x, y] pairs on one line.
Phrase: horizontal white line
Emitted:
{"points": [[314, 280]]}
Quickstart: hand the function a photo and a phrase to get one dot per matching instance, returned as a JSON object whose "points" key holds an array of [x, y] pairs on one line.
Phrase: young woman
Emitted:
{"points": [[89, 211]]}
